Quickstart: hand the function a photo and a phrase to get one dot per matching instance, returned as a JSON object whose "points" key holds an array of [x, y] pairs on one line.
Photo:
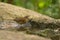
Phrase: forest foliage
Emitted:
{"points": [[47, 7]]}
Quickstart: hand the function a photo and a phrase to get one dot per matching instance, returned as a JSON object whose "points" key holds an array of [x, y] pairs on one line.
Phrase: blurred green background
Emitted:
{"points": [[46, 7]]}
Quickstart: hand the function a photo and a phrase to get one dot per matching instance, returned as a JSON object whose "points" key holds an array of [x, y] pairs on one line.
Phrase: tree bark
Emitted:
{"points": [[8, 11]]}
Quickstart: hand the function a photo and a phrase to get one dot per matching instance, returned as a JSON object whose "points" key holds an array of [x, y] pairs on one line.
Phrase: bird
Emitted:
{"points": [[22, 20]]}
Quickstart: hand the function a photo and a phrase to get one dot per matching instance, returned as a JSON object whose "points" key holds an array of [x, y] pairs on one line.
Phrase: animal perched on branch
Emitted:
{"points": [[22, 20]]}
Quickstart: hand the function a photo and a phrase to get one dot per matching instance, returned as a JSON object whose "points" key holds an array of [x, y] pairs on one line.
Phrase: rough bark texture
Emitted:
{"points": [[14, 11], [10, 35], [8, 11], [37, 20]]}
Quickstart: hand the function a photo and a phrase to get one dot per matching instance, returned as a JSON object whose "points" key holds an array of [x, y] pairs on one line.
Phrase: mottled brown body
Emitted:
{"points": [[22, 20]]}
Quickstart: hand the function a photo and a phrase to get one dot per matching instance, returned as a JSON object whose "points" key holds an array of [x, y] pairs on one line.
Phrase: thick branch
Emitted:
{"points": [[8, 11]]}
